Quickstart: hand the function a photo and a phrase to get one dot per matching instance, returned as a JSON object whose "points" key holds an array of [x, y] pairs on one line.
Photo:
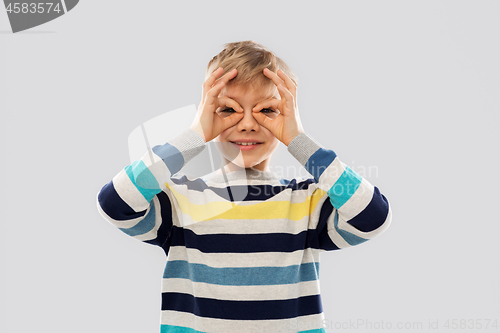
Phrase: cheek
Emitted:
{"points": [[269, 135], [223, 135]]}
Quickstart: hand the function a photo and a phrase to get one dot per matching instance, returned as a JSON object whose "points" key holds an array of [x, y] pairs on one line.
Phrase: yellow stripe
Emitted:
{"points": [[260, 210]]}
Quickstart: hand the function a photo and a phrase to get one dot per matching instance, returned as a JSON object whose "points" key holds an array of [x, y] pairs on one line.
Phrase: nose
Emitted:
{"points": [[248, 122]]}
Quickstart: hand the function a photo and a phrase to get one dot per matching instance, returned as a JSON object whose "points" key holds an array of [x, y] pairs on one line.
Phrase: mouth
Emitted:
{"points": [[246, 145]]}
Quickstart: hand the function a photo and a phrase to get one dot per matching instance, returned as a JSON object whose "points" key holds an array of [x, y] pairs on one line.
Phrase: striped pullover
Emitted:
{"points": [[242, 247]]}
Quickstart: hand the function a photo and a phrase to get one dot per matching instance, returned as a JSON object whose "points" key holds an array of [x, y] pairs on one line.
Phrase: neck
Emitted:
{"points": [[230, 167]]}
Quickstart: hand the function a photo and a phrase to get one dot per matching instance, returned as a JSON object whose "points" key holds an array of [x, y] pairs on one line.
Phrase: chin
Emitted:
{"points": [[246, 165]]}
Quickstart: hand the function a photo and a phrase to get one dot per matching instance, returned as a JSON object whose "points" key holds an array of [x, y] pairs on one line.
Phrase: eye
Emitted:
{"points": [[267, 111], [227, 110]]}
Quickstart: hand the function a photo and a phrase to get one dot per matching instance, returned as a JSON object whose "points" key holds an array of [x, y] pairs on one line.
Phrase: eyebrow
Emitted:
{"points": [[239, 102]]}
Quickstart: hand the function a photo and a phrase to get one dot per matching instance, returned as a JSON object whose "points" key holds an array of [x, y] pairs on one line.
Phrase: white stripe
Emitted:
{"points": [[229, 226], [358, 201], [257, 259], [241, 326], [241, 293], [157, 167], [118, 223], [147, 236], [330, 175], [128, 192]]}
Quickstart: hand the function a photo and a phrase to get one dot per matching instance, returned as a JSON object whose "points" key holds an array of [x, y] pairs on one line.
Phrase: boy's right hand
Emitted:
{"points": [[206, 122]]}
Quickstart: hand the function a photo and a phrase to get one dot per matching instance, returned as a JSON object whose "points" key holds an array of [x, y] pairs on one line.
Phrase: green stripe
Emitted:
{"points": [[177, 329], [344, 187], [180, 329], [143, 179]]}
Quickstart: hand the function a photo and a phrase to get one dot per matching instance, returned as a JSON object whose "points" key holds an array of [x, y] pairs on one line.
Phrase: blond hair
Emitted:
{"points": [[249, 58]]}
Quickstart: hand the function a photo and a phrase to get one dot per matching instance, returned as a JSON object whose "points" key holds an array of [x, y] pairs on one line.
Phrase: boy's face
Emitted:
{"points": [[255, 156]]}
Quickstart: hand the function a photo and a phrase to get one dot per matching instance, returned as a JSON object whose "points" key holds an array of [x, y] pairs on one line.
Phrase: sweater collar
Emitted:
{"points": [[249, 174]]}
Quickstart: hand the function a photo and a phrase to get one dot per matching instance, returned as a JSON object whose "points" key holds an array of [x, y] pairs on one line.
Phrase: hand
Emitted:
{"points": [[206, 122], [287, 124]]}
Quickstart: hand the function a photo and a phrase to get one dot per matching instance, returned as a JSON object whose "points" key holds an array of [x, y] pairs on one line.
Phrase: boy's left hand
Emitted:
{"points": [[286, 125]]}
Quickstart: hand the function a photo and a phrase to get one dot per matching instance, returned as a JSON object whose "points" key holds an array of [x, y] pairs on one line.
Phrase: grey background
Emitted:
{"points": [[410, 88]]}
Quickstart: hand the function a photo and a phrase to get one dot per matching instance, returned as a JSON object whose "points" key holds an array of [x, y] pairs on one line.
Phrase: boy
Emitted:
{"points": [[242, 244]]}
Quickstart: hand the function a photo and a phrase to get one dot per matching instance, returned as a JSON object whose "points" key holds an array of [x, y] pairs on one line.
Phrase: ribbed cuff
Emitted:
{"points": [[189, 143], [302, 147]]}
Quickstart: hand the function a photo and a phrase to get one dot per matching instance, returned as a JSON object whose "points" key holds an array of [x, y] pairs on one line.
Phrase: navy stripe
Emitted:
{"points": [[114, 206], [162, 238], [244, 243], [242, 310], [374, 215], [349, 237], [325, 242], [252, 192], [319, 161], [145, 225]]}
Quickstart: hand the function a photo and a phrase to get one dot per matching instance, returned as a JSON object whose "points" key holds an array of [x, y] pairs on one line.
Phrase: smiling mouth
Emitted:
{"points": [[246, 143]]}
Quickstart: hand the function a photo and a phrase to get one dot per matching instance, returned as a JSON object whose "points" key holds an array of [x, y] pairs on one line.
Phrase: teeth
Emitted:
{"points": [[246, 143]]}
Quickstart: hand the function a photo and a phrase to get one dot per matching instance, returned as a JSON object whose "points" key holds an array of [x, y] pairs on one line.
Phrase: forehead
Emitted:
{"points": [[236, 91]]}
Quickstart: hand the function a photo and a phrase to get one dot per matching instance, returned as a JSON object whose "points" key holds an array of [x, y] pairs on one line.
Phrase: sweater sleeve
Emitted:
{"points": [[137, 201], [349, 210]]}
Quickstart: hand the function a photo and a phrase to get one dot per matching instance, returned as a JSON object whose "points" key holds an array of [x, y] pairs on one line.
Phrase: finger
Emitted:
{"points": [[228, 76], [289, 84], [287, 105], [232, 119], [226, 101], [268, 103], [290, 99], [211, 79], [272, 75], [262, 119], [213, 93]]}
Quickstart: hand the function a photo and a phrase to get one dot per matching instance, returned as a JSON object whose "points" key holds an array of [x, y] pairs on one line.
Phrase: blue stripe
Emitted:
{"points": [[114, 206], [284, 181], [171, 156], [144, 226], [143, 179], [374, 215], [177, 329], [350, 238], [244, 243], [344, 187], [242, 310], [241, 276], [318, 330], [319, 161]]}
